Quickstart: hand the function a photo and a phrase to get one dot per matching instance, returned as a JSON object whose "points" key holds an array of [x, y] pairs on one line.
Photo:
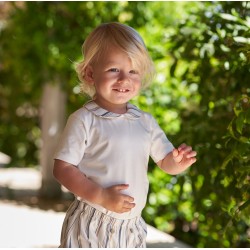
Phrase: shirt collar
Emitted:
{"points": [[132, 111]]}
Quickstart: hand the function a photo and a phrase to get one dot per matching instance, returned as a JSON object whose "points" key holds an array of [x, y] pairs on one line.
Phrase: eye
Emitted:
{"points": [[113, 70], [133, 72]]}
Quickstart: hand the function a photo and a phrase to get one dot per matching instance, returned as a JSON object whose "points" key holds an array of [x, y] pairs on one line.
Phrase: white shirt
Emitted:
{"points": [[112, 149]]}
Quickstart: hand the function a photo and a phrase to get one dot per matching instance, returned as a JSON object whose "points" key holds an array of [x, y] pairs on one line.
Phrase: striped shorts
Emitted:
{"points": [[86, 227]]}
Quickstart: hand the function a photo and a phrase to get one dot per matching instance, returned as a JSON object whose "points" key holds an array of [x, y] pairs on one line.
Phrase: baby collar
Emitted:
{"points": [[132, 113]]}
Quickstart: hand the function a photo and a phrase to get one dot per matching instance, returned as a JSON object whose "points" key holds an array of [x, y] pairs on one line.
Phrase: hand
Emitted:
{"points": [[184, 156], [113, 200]]}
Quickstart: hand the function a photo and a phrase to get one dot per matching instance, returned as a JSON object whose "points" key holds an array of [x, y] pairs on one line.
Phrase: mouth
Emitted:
{"points": [[121, 90]]}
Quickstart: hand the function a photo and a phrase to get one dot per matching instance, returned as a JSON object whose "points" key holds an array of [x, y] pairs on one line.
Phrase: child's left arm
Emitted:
{"points": [[178, 160]]}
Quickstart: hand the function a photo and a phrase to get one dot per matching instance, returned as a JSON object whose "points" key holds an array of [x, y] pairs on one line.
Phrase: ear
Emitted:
{"points": [[89, 74]]}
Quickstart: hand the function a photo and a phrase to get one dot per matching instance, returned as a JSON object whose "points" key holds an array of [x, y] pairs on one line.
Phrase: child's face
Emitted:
{"points": [[115, 79]]}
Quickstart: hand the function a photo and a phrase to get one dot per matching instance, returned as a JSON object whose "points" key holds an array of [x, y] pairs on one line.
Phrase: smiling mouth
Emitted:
{"points": [[121, 90]]}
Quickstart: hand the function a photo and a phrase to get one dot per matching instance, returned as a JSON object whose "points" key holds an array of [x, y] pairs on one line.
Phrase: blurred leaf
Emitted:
{"points": [[240, 122]]}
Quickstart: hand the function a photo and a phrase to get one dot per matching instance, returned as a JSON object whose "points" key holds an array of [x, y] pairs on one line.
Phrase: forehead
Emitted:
{"points": [[114, 54]]}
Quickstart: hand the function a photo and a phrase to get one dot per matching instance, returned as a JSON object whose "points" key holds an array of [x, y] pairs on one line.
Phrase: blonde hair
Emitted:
{"points": [[123, 37]]}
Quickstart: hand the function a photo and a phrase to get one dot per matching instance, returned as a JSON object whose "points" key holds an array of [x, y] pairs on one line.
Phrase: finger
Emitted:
{"points": [[128, 198], [191, 161], [128, 205], [182, 146], [175, 152], [121, 187], [177, 156], [186, 149], [191, 154]]}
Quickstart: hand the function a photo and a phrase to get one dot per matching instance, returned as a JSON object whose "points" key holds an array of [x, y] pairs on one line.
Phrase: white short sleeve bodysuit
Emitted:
{"points": [[114, 149]]}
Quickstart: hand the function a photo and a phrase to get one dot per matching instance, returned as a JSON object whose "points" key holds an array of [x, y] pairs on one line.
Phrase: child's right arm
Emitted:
{"points": [[75, 181]]}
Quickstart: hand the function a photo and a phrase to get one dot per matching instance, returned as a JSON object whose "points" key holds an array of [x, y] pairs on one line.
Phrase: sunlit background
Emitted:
{"points": [[200, 96]]}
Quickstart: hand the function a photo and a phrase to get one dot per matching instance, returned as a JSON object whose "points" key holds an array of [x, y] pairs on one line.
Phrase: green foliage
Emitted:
{"points": [[210, 59], [236, 165], [200, 96]]}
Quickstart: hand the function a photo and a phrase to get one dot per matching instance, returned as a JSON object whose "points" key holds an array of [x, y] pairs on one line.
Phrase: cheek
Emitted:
{"points": [[135, 78], [137, 87], [107, 78], [137, 83]]}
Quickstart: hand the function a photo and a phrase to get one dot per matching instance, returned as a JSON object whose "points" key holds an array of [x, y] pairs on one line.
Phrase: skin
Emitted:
{"points": [[116, 82]]}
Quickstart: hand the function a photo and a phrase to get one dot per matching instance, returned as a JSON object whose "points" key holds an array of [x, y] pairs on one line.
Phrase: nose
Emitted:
{"points": [[123, 77]]}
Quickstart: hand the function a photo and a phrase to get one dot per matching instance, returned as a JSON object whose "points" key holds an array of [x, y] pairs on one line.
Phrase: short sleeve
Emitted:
{"points": [[72, 143], [160, 145]]}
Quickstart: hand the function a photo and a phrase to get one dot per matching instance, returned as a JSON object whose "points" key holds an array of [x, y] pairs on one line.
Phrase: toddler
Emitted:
{"points": [[102, 157]]}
